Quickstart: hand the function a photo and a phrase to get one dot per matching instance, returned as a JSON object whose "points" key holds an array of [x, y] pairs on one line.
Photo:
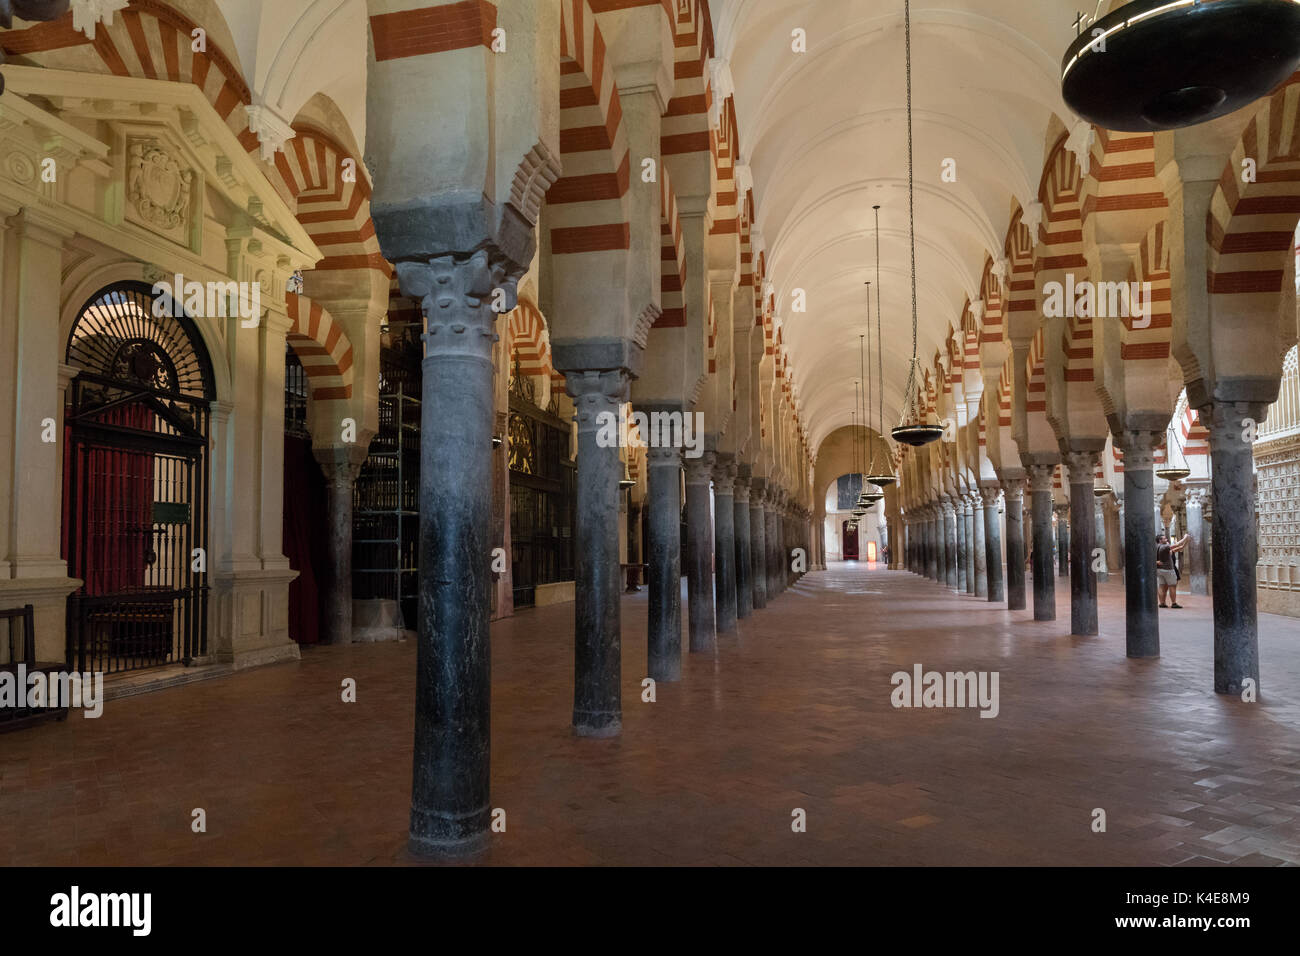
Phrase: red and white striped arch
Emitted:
{"points": [[589, 202], [322, 346], [1252, 224]]}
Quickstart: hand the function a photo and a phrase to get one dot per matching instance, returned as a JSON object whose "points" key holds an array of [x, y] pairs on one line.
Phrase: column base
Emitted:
{"points": [[248, 618], [597, 725], [435, 836]]}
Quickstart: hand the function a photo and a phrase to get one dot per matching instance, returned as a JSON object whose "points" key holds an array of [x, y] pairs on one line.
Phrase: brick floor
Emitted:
{"points": [[794, 712]]}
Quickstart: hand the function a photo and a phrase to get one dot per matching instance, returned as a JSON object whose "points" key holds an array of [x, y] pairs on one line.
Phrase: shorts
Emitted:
{"points": [[1167, 578]]}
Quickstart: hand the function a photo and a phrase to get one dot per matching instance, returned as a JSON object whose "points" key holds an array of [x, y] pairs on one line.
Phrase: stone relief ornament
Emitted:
{"points": [[157, 185]]}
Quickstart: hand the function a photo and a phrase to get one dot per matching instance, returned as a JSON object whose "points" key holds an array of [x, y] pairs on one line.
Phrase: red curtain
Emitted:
{"points": [[304, 537], [850, 541], [112, 508]]}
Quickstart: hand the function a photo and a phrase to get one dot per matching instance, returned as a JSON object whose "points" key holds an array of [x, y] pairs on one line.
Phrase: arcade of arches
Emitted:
{"points": [[480, 231]]}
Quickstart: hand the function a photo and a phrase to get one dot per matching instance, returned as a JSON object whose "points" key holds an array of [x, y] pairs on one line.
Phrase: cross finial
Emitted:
{"points": [[1080, 21]]}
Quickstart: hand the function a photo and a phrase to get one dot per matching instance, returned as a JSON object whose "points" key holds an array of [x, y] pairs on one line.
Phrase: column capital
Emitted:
{"points": [[1014, 488], [699, 471], [1232, 425], [1140, 449], [664, 456], [1082, 465], [741, 491], [946, 507], [1040, 477], [1062, 508], [990, 495], [456, 294], [597, 395], [724, 475], [340, 463]]}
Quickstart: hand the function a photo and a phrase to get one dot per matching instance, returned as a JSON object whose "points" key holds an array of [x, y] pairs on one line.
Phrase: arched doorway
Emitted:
{"points": [[850, 539], [135, 495]]}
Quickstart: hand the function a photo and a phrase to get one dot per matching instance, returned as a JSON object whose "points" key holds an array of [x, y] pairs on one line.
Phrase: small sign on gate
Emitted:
{"points": [[171, 512]]}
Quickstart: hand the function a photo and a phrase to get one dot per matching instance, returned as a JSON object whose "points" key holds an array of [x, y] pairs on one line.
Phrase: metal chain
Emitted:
{"points": [[880, 342], [911, 200]]}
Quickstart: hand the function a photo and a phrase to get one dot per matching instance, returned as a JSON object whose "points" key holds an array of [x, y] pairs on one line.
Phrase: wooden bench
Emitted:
{"points": [[20, 628]]}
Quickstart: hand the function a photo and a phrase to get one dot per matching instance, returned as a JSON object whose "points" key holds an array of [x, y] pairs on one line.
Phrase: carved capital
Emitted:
{"points": [[1082, 466], [457, 296], [1140, 450], [699, 471], [724, 475], [990, 496], [1040, 477], [1232, 425], [741, 491], [597, 396], [663, 456], [1014, 489]]}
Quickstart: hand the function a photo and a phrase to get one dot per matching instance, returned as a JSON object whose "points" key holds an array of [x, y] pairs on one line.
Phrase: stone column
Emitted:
{"points": [[1099, 541], [724, 541], [450, 805], [940, 545], [1236, 637], [1040, 489], [597, 706], [1063, 537], [1083, 580], [992, 550], [985, 558], [1196, 547], [1141, 618], [962, 510], [664, 558], [935, 563], [340, 465], [744, 561], [950, 542], [773, 546], [758, 542], [1014, 494], [1121, 563], [699, 554]]}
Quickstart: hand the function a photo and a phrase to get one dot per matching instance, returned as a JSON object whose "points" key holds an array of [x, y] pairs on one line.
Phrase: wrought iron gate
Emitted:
{"points": [[135, 513]]}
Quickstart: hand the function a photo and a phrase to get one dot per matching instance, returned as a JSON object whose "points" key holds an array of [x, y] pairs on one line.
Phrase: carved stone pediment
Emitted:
{"points": [[158, 186]]}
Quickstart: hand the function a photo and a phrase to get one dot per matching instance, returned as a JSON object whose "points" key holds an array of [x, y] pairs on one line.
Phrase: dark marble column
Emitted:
{"points": [[758, 542], [340, 466], [1040, 489], [1141, 618], [940, 545], [773, 519], [699, 554], [950, 542], [724, 541], [935, 562], [981, 555], [1013, 490], [664, 544], [1121, 562], [993, 544], [1236, 634], [597, 705], [744, 561], [1082, 466], [960, 508], [450, 804], [1195, 551], [1063, 537]]}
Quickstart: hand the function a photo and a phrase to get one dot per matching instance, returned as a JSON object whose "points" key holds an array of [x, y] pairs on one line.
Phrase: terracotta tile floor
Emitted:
{"points": [[794, 712]]}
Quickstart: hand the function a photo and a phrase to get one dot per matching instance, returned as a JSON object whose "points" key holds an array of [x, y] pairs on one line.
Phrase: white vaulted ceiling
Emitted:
{"points": [[825, 135]]}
